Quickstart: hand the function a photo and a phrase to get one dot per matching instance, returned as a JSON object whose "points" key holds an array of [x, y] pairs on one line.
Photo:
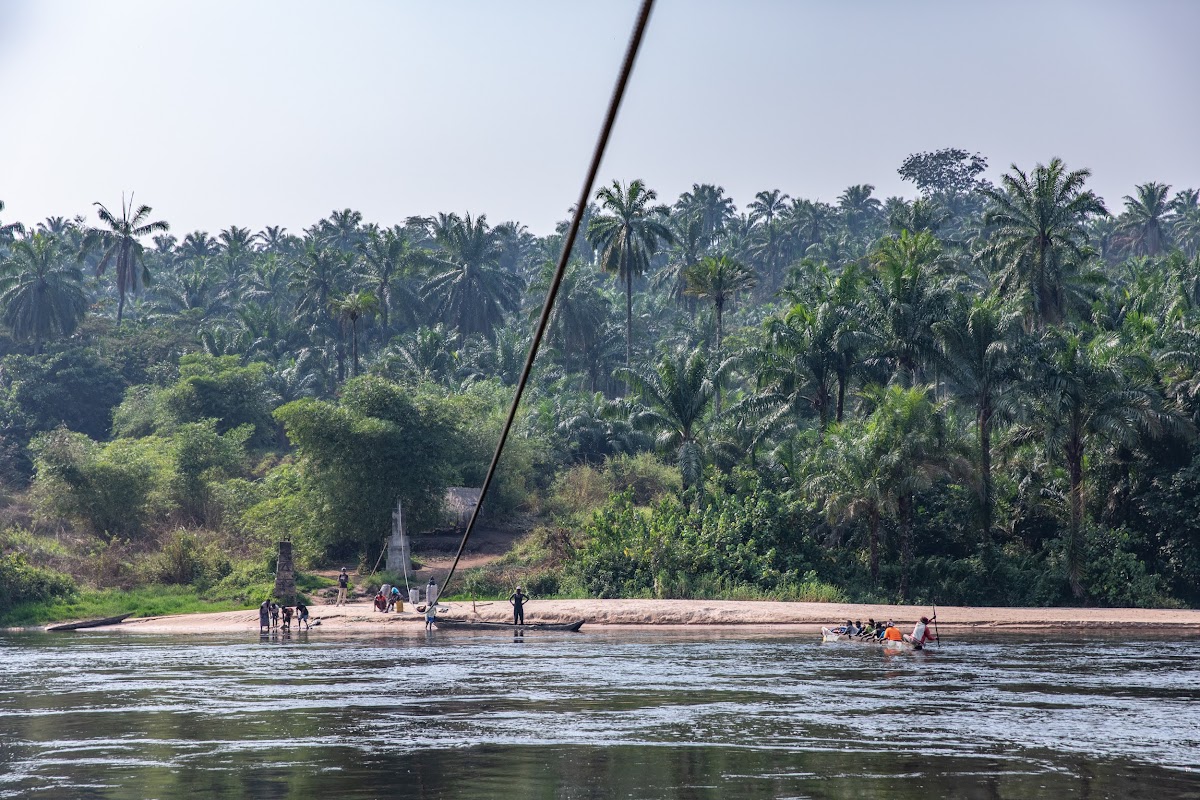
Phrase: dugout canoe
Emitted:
{"points": [[828, 635], [475, 625], [89, 623]]}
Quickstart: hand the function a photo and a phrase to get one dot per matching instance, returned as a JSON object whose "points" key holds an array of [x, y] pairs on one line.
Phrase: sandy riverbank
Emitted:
{"points": [[358, 618]]}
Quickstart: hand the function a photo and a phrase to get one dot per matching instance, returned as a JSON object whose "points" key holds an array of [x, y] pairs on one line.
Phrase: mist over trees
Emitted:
{"points": [[987, 393]]}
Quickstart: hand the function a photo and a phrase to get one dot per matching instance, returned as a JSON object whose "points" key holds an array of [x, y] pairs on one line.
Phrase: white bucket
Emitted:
{"points": [[414, 596]]}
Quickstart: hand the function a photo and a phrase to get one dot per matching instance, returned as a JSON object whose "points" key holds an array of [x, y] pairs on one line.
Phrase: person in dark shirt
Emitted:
{"points": [[301, 615], [343, 585], [518, 599]]}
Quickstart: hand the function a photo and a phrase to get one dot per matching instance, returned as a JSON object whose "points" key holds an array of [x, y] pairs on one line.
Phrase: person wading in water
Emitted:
{"points": [[518, 599]]}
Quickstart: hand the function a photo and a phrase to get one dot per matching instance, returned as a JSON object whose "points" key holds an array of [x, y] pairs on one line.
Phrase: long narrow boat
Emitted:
{"points": [[89, 623], [828, 635], [476, 625]]}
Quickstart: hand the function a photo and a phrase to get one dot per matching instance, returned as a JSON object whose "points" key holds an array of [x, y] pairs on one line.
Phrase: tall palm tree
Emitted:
{"points": [[766, 211], [1145, 219], [980, 356], [1039, 235], [910, 293], [718, 279], [319, 275], [710, 206], [871, 470], [859, 208], [676, 395], [627, 234], [350, 309], [810, 222], [1092, 392], [119, 241], [387, 255], [468, 287], [41, 292]]}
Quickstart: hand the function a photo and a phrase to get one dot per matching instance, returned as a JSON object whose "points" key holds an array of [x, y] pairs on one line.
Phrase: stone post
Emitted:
{"points": [[285, 575]]}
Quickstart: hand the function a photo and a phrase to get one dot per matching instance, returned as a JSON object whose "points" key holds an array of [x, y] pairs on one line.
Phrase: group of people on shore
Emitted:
{"points": [[887, 631], [274, 617]]}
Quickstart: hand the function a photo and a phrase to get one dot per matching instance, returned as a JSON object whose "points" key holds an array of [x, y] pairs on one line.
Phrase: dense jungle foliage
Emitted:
{"points": [[987, 394]]}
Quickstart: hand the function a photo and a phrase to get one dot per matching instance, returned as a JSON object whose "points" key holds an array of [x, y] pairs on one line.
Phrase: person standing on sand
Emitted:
{"points": [[518, 599], [274, 614], [301, 615], [264, 616], [343, 586], [430, 616]]}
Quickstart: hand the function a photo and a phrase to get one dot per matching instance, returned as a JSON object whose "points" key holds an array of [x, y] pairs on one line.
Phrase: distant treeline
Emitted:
{"points": [[985, 394]]}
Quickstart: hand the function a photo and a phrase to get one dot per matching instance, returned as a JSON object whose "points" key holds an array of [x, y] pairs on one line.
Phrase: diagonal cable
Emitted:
{"points": [[610, 118]]}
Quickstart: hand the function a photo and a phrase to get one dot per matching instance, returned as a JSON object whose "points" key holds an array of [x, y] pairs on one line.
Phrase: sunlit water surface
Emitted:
{"points": [[643, 714]]}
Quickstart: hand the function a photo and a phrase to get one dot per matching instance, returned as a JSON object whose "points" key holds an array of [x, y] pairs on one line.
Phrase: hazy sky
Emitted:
{"points": [[257, 113]]}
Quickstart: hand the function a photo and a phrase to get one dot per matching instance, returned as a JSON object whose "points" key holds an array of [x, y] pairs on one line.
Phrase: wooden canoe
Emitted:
{"points": [[476, 625], [887, 644], [89, 623]]}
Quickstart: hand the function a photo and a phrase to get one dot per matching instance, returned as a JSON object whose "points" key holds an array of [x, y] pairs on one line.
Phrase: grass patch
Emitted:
{"points": [[147, 601]]}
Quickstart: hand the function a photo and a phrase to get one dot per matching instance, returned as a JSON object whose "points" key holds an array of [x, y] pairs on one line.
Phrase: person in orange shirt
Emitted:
{"points": [[892, 633]]}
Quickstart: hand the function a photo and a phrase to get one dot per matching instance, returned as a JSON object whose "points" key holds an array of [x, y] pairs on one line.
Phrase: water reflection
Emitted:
{"points": [[641, 714]]}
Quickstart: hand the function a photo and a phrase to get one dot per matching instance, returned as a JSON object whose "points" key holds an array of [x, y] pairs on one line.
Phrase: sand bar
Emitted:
{"points": [[359, 618]]}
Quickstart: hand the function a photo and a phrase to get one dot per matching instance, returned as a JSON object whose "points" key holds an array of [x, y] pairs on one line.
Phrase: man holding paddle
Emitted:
{"points": [[921, 633]]}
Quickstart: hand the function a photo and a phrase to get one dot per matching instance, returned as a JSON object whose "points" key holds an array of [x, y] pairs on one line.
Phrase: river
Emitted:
{"points": [[641, 713]]}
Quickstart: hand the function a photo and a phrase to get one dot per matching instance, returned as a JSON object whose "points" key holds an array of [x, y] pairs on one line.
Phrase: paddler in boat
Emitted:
{"points": [[921, 634], [868, 630], [892, 634]]}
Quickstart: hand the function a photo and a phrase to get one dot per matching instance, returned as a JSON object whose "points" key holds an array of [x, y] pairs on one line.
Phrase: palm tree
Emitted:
{"points": [[910, 293], [687, 248], [859, 208], [1144, 220], [1039, 236], [119, 240], [766, 211], [388, 255], [1092, 392], [870, 470], [198, 245], [10, 229], [469, 289], [708, 204], [980, 357], [676, 395], [718, 279], [319, 275], [41, 294], [627, 236], [350, 309], [810, 222]]}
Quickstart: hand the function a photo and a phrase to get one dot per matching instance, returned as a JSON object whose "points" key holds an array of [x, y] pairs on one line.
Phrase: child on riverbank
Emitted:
{"points": [[430, 616]]}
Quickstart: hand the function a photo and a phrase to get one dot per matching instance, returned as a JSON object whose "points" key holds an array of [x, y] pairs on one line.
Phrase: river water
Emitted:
{"points": [[721, 713]]}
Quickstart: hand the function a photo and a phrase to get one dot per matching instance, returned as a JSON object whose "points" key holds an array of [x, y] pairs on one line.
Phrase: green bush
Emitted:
{"points": [[113, 489], [21, 582], [186, 559]]}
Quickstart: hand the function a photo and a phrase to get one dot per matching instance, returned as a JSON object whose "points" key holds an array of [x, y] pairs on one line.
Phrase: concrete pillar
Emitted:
{"points": [[285, 575]]}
